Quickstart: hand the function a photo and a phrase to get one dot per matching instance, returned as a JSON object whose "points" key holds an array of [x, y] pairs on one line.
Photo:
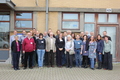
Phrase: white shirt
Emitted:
{"points": [[51, 43], [68, 45]]}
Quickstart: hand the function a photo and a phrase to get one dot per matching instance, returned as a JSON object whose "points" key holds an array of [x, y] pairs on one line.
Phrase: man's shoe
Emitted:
{"points": [[15, 68], [24, 68]]}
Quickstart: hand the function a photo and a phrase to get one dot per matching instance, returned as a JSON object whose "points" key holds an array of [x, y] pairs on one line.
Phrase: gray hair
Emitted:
{"points": [[69, 36]]}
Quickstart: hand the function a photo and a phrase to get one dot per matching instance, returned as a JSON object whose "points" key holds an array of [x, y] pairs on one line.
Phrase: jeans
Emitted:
{"points": [[92, 62], [40, 53], [78, 58], [99, 57]]}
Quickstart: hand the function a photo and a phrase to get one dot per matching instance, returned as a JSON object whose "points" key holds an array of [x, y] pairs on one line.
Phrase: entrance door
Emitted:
{"points": [[111, 31]]}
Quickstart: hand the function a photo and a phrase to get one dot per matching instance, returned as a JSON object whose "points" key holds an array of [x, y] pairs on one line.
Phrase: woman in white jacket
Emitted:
{"points": [[69, 48]]}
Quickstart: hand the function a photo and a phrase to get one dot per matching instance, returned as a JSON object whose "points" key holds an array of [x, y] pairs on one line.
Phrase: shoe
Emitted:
{"points": [[92, 68], [31, 67], [52, 66], [15, 68], [24, 68], [18, 68], [70, 66]]}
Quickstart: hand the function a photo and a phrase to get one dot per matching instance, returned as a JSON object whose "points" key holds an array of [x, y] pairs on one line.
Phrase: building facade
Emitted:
{"points": [[75, 15]]}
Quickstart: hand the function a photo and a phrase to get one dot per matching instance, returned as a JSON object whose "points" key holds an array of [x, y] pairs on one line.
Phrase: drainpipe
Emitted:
{"points": [[46, 15]]}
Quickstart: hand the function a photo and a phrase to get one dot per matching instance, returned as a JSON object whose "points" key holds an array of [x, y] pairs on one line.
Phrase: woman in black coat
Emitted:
{"points": [[15, 48], [60, 45]]}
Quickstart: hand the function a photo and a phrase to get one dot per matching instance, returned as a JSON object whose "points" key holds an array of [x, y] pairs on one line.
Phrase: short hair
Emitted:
{"points": [[106, 37], [40, 35], [69, 36], [15, 36], [105, 31]]}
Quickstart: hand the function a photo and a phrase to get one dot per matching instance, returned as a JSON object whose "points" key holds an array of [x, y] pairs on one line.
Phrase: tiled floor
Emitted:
{"points": [[7, 73]]}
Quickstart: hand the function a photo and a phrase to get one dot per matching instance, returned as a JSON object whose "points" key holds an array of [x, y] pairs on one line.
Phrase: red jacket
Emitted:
{"points": [[28, 45]]}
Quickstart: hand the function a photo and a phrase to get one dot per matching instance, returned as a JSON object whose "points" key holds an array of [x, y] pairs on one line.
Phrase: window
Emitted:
{"points": [[89, 17], [102, 17], [89, 25], [23, 20], [107, 18], [4, 30], [70, 21]]}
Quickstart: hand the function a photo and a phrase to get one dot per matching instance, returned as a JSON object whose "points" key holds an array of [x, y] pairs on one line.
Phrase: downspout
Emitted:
{"points": [[46, 15]]}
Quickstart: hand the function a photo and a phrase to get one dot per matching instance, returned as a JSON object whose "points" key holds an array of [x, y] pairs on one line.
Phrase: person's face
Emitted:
{"points": [[85, 37], [65, 33], [41, 36], [68, 38], [37, 32], [51, 34], [73, 35], [58, 32], [16, 38], [106, 38], [92, 38], [29, 35], [15, 32], [45, 33], [104, 33], [99, 37], [24, 32], [91, 33], [34, 30], [77, 37], [82, 33], [60, 35], [49, 31]]}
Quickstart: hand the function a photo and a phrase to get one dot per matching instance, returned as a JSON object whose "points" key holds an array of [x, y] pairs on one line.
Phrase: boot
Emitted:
{"points": [[98, 65]]}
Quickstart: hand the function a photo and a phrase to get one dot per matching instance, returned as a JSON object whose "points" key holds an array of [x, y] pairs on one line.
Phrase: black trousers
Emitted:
{"points": [[16, 57], [30, 56], [69, 59], [50, 58], [59, 57], [107, 60], [85, 61]]}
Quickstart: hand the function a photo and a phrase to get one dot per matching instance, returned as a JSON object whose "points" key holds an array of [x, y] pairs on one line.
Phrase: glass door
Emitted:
{"points": [[111, 31]]}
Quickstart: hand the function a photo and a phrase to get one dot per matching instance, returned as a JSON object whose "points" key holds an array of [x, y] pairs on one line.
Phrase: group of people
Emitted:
{"points": [[66, 49]]}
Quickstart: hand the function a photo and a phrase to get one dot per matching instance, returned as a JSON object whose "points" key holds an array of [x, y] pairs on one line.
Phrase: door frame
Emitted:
{"points": [[117, 38]]}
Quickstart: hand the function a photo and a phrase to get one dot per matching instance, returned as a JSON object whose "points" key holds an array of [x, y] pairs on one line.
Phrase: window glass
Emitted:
{"points": [[23, 15], [102, 17], [24, 24], [89, 17], [112, 18], [70, 16]]}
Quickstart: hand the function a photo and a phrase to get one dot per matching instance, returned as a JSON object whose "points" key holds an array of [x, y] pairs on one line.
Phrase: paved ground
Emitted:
{"points": [[7, 73]]}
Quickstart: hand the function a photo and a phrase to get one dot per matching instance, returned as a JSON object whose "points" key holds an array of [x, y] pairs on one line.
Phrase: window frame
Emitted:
{"points": [[72, 20], [15, 19]]}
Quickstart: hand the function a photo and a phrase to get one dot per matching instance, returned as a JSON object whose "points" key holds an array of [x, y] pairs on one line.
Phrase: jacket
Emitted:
{"points": [[100, 46], [28, 45], [14, 46], [48, 44], [40, 44]]}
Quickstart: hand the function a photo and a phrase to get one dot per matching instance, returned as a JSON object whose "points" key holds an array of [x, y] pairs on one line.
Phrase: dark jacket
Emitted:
{"points": [[14, 46], [60, 44], [100, 46], [40, 44], [109, 38]]}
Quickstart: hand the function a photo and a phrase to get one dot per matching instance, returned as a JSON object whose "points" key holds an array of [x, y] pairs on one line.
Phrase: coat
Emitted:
{"points": [[100, 46], [48, 44], [14, 46]]}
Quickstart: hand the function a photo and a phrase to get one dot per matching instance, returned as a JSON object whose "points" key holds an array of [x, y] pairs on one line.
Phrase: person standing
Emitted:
{"points": [[92, 51], [15, 48], [22, 38], [69, 48], [99, 50], [85, 51], [28, 47], [78, 51], [105, 34], [58, 33], [60, 45], [107, 54], [11, 40], [51, 49], [41, 44]]}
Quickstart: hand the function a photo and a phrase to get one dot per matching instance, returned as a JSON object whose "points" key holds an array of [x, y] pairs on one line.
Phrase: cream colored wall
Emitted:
{"points": [[70, 3], [85, 3], [53, 21], [41, 21], [29, 3]]}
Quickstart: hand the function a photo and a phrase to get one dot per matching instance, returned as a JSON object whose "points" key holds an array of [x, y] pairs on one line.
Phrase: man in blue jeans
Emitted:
{"points": [[78, 51]]}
